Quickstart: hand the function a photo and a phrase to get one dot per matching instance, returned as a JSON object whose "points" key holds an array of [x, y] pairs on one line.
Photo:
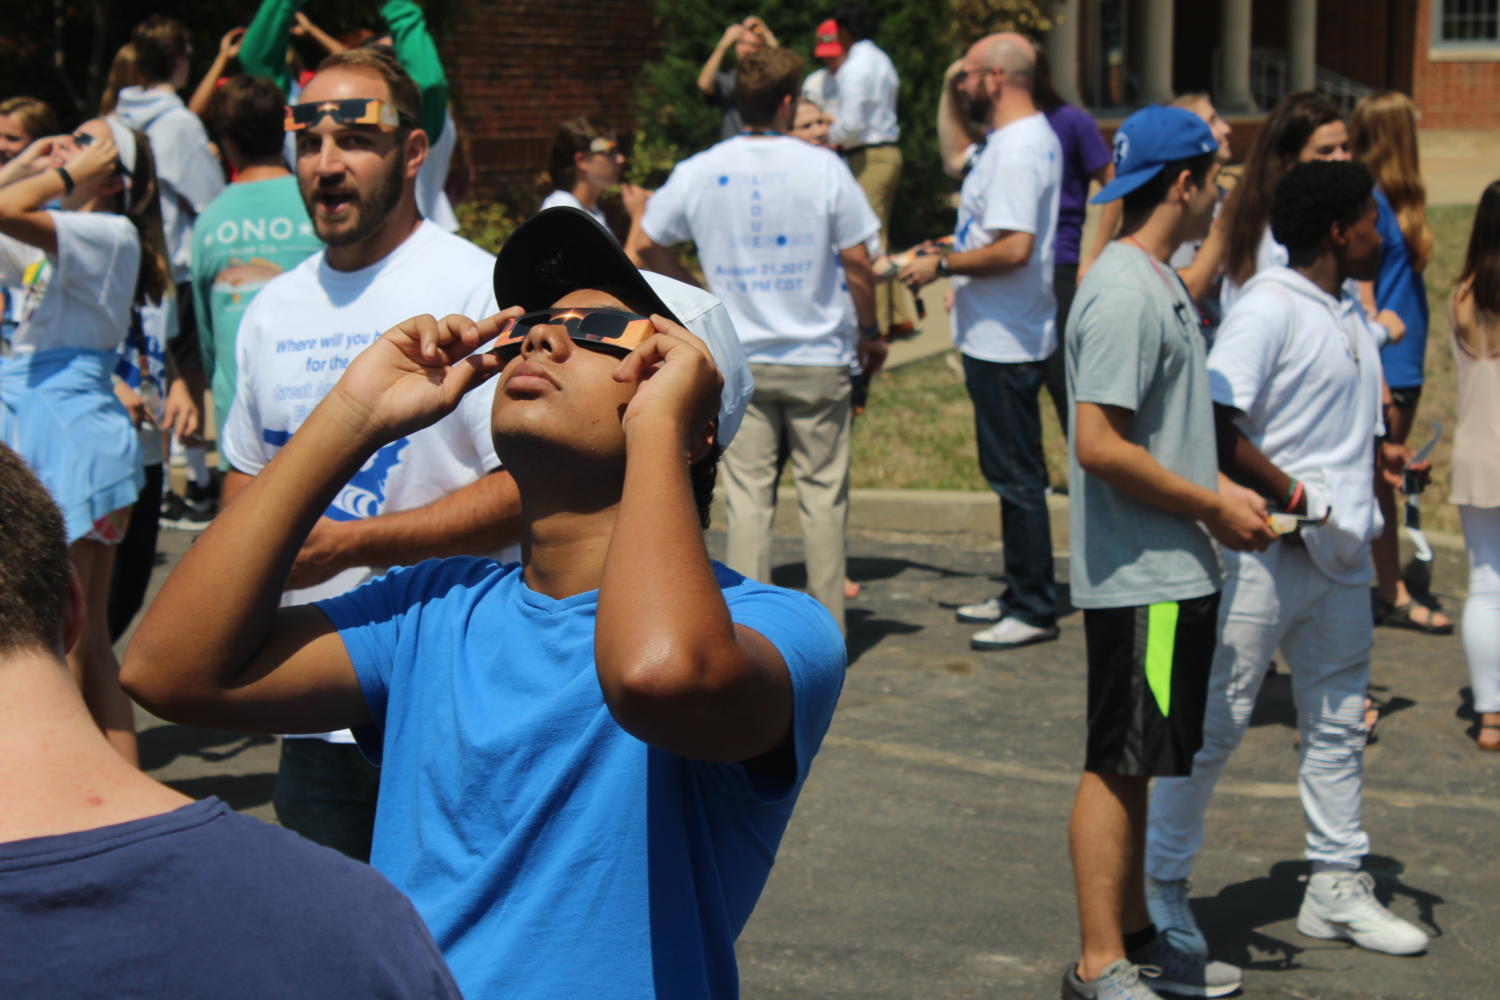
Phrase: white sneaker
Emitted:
{"points": [[985, 611], [1167, 902], [1342, 904], [1008, 633]]}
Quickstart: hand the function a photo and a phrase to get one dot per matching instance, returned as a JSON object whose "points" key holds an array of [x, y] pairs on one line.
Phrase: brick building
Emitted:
{"points": [[518, 69], [1116, 54]]}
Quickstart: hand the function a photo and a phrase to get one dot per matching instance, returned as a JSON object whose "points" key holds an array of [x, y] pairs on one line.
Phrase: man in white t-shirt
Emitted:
{"points": [[436, 492], [1296, 382], [1004, 314], [773, 217]]}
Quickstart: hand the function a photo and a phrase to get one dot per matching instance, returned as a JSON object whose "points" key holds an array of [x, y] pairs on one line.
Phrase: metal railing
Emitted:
{"points": [[1269, 80]]}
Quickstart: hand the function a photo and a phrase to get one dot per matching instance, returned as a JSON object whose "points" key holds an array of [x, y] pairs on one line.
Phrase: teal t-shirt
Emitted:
{"points": [[248, 235]]}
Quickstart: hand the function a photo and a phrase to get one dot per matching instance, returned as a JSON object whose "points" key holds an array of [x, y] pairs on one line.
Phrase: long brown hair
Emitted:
{"points": [[1482, 262], [141, 204], [1276, 147], [124, 72], [573, 136], [1383, 136]]}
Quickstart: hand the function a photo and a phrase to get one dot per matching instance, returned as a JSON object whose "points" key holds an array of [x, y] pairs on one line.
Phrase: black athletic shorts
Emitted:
{"points": [[1148, 682]]}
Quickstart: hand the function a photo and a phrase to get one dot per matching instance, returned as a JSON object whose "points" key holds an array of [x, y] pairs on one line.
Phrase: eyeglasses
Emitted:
{"points": [[964, 74], [350, 111], [599, 144], [614, 328]]}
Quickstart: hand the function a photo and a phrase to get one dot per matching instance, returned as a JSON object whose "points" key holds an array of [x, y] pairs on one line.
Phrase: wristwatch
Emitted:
{"points": [[871, 332], [943, 270]]}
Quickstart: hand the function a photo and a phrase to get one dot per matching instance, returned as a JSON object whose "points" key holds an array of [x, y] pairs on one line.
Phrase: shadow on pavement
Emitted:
{"points": [[161, 745], [1232, 920], [867, 629]]}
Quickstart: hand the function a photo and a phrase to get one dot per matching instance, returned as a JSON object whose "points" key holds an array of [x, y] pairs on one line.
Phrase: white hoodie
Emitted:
{"points": [[188, 171]]}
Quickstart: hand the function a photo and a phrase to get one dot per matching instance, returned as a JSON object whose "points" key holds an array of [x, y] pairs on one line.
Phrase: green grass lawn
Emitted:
{"points": [[918, 431]]}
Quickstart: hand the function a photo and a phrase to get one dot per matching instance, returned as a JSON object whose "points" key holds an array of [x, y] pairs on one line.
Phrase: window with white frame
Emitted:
{"points": [[1466, 22]]}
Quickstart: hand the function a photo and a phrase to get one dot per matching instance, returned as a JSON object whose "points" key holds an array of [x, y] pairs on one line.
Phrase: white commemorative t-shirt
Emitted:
{"points": [[1013, 186], [566, 200], [1304, 370], [300, 333], [81, 296], [768, 214]]}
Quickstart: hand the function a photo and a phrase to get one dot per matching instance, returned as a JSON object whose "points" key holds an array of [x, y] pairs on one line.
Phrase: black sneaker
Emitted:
{"points": [[184, 514]]}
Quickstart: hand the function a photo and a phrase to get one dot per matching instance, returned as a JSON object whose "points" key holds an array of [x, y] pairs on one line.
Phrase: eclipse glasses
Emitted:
{"points": [[614, 328], [350, 111]]}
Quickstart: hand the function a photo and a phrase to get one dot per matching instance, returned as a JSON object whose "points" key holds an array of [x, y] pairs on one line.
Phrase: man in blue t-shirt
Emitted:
{"points": [[588, 758], [114, 884]]}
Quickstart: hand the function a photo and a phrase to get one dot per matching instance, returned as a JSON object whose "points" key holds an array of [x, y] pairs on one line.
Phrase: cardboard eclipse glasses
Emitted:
{"points": [[613, 328], [350, 111]]}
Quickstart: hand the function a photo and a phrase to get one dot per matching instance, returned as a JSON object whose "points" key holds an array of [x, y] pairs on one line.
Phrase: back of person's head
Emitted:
{"points": [[857, 19], [1383, 136], [379, 61], [124, 71], [1278, 144], [34, 561], [763, 81], [248, 111], [574, 136], [1311, 197], [1482, 262], [35, 115], [159, 41], [1043, 92]]}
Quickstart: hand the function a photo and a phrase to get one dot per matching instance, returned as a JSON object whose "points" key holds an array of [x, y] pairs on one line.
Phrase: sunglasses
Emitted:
{"points": [[350, 111], [613, 328], [83, 140], [599, 144]]}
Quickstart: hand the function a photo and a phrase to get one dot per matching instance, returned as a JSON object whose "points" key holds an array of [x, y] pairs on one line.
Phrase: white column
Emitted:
{"points": [[1234, 95], [1302, 47], [1062, 51], [1156, 52]]}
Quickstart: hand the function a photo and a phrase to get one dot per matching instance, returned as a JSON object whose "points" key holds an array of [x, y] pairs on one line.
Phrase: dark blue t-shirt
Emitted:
{"points": [[1400, 288], [552, 853], [1084, 152], [204, 902]]}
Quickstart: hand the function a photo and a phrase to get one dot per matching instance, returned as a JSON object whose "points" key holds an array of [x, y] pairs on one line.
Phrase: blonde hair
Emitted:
{"points": [[37, 116], [1383, 136], [124, 72]]}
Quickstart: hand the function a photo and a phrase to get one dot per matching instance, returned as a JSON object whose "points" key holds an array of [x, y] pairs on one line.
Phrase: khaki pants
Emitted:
{"points": [[809, 406], [878, 171]]}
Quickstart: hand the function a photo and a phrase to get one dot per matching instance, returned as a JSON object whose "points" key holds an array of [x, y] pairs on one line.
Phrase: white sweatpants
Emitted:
{"points": [[1481, 622], [1279, 599]]}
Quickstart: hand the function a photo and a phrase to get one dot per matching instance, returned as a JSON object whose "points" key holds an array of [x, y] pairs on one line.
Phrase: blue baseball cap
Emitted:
{"points": [[1149, 140]]}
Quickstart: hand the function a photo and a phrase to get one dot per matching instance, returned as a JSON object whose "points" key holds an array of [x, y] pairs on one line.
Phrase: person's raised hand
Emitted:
{"points": [[731, 35], [98, 158], [635, 198], [1238, 521], [415, 374], [678, 384], [34, 158], [229, 45]]}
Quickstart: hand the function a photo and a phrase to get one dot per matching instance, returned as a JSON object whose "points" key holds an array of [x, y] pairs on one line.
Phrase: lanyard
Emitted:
{"points": [[1177, 306]]}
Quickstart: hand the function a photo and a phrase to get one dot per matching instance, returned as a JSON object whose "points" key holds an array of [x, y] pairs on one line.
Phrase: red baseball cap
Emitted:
{"points": [[828, 40]]}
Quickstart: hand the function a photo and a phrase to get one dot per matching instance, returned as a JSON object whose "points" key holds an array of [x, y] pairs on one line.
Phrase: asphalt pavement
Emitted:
{"points": [[928, 856]]}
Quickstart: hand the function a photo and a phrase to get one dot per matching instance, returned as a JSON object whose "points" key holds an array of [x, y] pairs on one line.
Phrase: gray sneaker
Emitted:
{"points": [[980, 614], [1120, 981], [1167, 901], [1169, 970]]}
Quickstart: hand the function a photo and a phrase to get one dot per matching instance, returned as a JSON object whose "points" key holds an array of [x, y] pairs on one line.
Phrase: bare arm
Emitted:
{"points": [[662, 260], [1244, 463], [213, 648], [716, 59], [860, 277], [675, 670], [1106, 452], [32, 184], [1010, 250], [330, 44], [954, 138], [1109, 222], [229, 48]]}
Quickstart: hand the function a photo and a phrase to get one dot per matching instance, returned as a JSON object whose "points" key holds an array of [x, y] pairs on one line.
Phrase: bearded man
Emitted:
{"points": [[436, 492]]}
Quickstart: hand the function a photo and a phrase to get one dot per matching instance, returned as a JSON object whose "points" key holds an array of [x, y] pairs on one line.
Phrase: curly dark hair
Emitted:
{"points": [[34, 561], [1312, 197]]}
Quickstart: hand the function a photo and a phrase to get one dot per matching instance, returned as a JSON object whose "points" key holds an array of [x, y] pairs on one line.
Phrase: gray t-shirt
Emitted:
{"points": [[1134, 341]]}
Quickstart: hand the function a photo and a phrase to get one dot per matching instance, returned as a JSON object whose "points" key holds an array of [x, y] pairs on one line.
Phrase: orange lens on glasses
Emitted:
{"points": [[351, 111], [614, 328]]}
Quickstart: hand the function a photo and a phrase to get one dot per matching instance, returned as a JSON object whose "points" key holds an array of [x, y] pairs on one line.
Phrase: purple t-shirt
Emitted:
{"points": [[1083, 152]]}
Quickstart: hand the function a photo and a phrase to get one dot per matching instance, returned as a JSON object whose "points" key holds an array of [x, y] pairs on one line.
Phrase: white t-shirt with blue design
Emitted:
{"points": [[769, 214]]}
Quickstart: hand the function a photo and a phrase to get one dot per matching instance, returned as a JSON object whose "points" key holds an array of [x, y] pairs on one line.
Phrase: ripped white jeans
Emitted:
{"points": [[1279, 599]]}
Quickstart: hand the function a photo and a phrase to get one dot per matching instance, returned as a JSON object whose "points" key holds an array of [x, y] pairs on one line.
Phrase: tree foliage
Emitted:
{"points": [[920, 36]]}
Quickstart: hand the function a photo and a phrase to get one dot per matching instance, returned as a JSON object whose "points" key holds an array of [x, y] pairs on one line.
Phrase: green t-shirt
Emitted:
{"points": [[247, 236]]}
